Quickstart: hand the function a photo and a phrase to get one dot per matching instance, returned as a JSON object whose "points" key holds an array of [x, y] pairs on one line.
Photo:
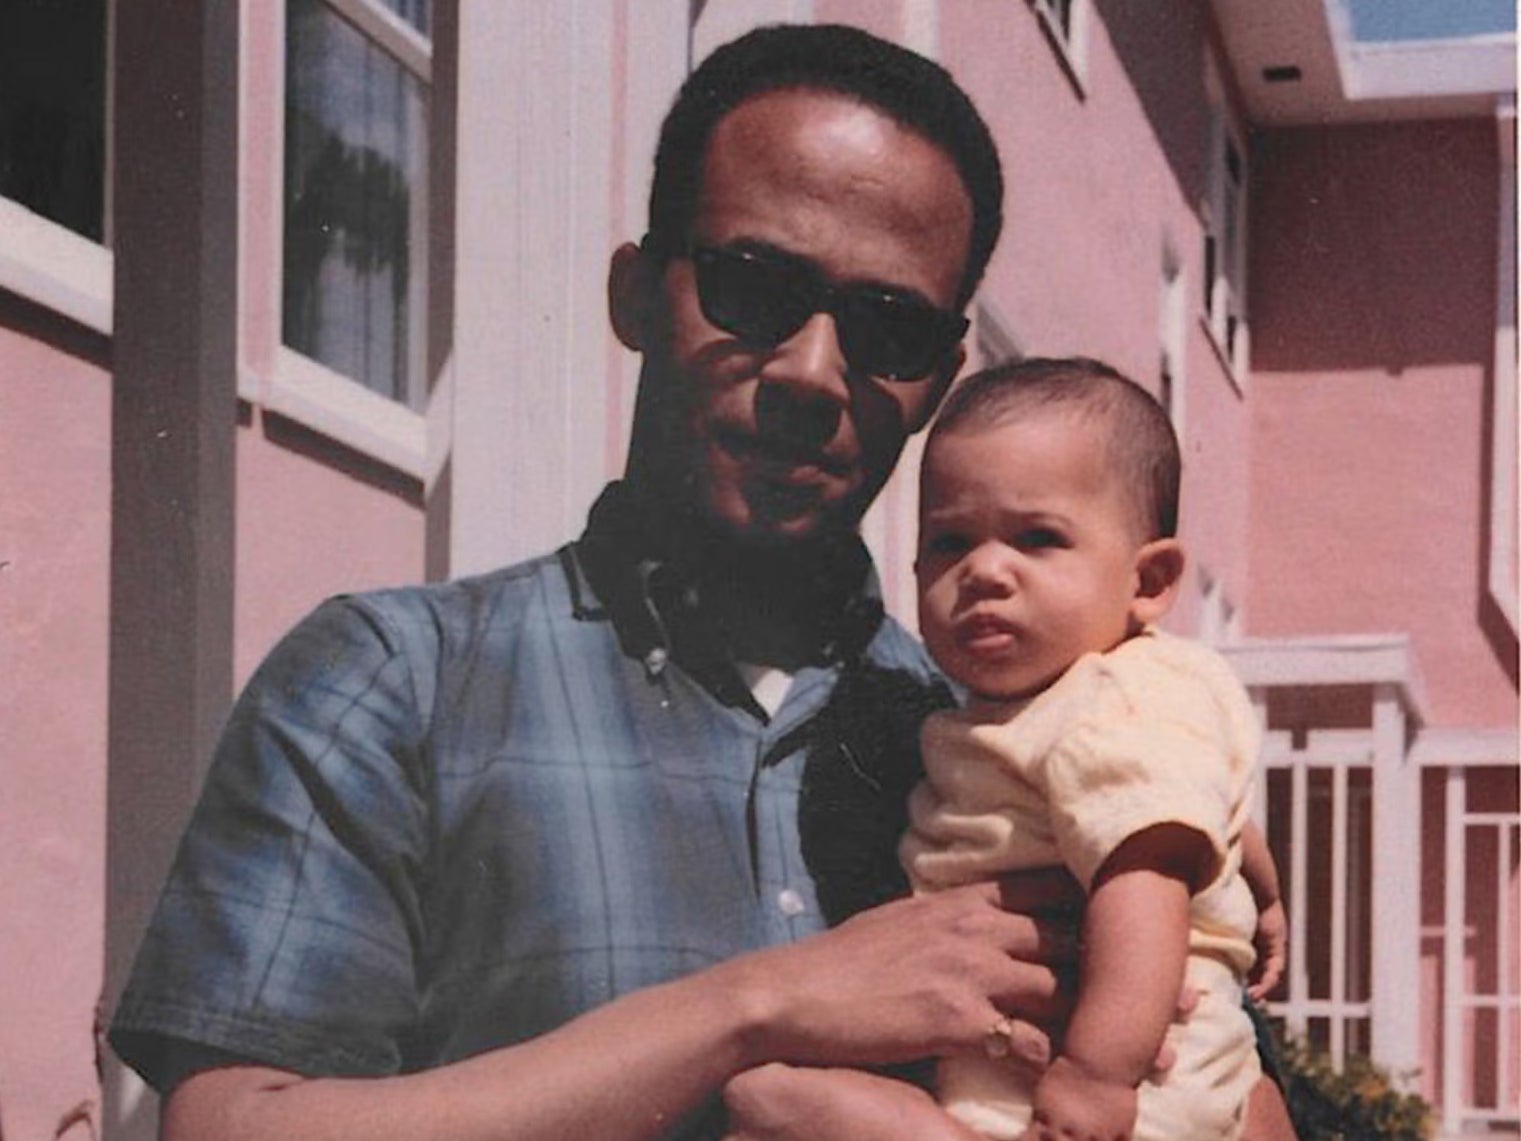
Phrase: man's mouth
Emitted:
{"points": [[782, 461]]}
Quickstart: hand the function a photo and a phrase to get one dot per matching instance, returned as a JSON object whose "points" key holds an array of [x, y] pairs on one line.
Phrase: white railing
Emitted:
{"points": [[1345, 804], [1318, 811], [1480, 948], [1340, 798]]}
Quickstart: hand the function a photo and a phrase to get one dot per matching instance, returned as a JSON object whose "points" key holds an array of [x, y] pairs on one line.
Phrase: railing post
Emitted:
{"points": [[1395, 1005], [1454, 930]]}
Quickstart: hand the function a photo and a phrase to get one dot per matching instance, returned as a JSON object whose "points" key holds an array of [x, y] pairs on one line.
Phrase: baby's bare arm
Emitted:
{"points": [[1135, 948], [1272, 935]]}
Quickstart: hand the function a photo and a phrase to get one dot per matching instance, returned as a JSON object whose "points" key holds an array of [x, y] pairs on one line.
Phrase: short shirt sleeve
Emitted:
{"points": [[1150, 748], [289, 929]]}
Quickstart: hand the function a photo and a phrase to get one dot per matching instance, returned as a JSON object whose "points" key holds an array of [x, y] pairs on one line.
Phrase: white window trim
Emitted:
{"points": [[1071, 49], [1219, 617], [1503, 587], [1172, 332], [344, 410], [391, 33], [58, 269], [993, 335]]}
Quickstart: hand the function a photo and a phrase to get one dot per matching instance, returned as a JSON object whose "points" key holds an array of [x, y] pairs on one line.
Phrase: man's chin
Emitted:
{"points": [[766, 522]]}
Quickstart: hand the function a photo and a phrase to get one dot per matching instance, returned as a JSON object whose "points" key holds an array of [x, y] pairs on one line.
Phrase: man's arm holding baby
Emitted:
{"points": [[915, 977]]}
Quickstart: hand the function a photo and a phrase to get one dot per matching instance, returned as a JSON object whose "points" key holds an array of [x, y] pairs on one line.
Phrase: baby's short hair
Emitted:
{"points": [[1142, 448]]}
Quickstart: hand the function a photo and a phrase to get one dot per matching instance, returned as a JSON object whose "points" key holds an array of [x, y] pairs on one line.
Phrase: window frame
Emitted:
{"points": [[1172, 342], [50, 265], [398, 433], [1069, 38], [1223, 254]]}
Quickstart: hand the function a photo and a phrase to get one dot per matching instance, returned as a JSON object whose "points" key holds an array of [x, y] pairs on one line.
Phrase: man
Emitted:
{"points": [[519, 856]]}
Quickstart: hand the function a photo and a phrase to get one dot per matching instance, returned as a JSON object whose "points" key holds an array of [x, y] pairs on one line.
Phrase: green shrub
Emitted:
{"points": [[1356, 1103]]}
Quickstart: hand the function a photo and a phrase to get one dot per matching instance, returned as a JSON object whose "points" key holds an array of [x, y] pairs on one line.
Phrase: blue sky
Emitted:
{"points": [[1430, 19]]}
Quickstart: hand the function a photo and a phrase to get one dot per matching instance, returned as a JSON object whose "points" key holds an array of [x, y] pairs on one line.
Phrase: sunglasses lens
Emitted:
{"points": [[764, 301], [894, 338], [758, 300]]}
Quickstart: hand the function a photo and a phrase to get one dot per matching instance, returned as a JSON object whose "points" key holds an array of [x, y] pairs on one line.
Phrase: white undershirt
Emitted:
{"points": [[768, 684]]}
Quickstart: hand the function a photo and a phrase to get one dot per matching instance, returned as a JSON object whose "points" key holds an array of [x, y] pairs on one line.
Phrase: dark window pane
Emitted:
{"points": [[355, 202], [53, 109]]}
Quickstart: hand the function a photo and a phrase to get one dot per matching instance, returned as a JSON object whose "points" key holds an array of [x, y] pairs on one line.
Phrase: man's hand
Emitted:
{"points": [[1272, 942], [789, 1103], [1071, 1105], [925, 976]]}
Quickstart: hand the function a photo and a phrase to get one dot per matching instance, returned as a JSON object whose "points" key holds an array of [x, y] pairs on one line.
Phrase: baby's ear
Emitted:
{"points": [[1158, 574]]}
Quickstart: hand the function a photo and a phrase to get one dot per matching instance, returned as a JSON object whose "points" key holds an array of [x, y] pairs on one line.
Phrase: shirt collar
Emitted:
{"points": [[654, 598]]}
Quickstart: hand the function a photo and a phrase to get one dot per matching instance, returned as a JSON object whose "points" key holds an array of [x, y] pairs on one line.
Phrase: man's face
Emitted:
{"points": [[1028, 552], [787, 440]]}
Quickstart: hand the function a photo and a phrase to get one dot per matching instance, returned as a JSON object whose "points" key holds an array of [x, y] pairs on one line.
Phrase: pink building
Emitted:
{"points": [[304, 298]]}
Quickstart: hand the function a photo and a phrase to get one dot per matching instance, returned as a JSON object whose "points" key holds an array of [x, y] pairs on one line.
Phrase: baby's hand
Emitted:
{"points": [[1272, 942], [1071, 1105]]}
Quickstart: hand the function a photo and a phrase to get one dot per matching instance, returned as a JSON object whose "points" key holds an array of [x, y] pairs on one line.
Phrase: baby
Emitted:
{"points": [[1047, 550]]}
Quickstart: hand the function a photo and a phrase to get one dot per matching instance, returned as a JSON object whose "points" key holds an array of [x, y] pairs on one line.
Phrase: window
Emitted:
{"points": [[993, 341], [53, 110], [356, 184], [1224, 213], [1066, 23], [1172, 330], [1219, 622]]}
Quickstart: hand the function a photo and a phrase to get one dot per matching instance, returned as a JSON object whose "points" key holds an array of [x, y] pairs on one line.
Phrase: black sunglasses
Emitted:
{"points": [[764, 299]]}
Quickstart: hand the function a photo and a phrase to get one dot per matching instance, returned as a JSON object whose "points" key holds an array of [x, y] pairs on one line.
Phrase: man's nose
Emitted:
{"points": [[803, 390]]}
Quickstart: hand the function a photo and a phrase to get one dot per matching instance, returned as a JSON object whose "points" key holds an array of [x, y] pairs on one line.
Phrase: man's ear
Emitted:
{"points": [[1158, 575], [940, 384], [633, 295]]}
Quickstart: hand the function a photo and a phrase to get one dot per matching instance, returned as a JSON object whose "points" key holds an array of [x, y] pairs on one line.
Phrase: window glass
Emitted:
{"points": [[418, 13], [355, 202], [53, 110]]}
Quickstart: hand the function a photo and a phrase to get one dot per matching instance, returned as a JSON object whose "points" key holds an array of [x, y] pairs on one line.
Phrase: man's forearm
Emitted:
{"points": [[911, 978], [624, 1072]]}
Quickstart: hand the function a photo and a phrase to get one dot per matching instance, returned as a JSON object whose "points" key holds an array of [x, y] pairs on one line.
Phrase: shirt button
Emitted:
{"points": [[790, 902]]}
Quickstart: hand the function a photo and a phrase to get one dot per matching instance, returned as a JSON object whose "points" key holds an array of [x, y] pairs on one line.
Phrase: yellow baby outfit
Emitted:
{"points": [[1156, 731]]}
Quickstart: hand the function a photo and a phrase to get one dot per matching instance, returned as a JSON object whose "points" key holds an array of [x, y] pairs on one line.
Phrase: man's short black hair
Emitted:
{"points": [[1139, 443], [914, 92]]}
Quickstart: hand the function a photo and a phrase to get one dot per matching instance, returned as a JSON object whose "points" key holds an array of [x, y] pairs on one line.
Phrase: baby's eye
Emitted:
{"points": [[945, 543], [1039, 538]]}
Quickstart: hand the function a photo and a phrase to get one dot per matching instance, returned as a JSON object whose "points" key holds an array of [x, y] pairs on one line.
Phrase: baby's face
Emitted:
{"points": [[1027, 553]]}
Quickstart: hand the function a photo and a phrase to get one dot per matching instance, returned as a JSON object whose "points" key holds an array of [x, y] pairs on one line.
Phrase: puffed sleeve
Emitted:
{"points": [[289, 928], [1143, 755]]}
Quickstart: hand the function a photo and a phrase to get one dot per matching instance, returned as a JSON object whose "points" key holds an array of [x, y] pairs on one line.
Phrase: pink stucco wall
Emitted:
{"points": [[55, 533], [1104, 174], [358, 526], [1373, 312]]}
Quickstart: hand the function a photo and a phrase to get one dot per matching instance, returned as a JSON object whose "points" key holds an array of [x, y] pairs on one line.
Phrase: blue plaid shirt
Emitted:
{"points": [[449, 818]]}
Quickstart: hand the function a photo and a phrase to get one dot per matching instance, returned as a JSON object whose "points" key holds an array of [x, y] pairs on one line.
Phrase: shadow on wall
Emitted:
{"points": [[1375, 251], [1370, 245], [1493, 622], [35, 322], [1146, 37]]}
